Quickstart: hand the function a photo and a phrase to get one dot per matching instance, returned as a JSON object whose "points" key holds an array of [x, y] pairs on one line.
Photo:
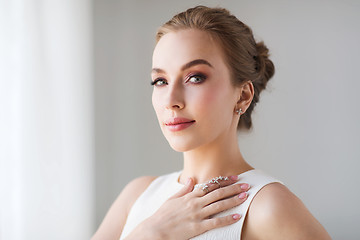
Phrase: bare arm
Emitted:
{"points": [[114, 221], [276, 213]]}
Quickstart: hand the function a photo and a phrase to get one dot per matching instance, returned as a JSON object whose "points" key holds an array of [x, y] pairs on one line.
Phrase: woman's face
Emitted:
{"points": [[193, 97]]}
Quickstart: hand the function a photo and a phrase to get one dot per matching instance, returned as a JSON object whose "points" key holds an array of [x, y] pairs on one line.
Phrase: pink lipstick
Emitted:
{"points": [[178, 123]]}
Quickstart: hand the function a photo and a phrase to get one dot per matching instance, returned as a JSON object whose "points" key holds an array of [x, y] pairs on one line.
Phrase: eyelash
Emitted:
{"points": [[200, 76], [158, 80]]}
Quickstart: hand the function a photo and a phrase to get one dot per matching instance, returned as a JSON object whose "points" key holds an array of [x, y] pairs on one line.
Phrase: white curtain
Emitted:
{"points": [[46, 119]]}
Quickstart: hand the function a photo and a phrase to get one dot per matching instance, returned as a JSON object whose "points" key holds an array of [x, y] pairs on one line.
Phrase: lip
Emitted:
{"points": [[178, 123]]}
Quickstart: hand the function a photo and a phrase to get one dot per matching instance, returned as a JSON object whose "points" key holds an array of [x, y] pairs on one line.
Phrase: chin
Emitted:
{"points": [[180, 149], [182, 145]]}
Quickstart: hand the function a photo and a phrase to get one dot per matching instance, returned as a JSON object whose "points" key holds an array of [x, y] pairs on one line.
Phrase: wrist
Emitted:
{"points": [[152, 231], [146, 231]]}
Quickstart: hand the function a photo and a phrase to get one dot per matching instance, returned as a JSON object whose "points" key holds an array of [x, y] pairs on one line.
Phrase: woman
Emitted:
{"points": [[207, 74]]}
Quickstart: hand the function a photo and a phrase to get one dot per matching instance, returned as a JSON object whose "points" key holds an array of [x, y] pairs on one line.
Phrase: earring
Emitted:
{"points": [[239, 111]]}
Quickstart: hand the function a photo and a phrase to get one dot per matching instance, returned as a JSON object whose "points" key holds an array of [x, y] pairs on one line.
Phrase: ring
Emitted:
{"points": [[205, 188], [217, 179]]}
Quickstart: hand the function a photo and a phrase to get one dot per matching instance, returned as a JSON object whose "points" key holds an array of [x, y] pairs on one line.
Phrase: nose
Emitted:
{"points": [[175, 98]]}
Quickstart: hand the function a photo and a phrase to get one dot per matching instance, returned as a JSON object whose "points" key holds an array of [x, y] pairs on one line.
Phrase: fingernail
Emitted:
{"points": [[236, 216], [235, 177], [242, 195], [245, 186]]}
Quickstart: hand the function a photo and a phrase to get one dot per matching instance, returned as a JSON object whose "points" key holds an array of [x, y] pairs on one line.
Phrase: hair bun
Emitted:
{"points": [[265, 69], [264, 66]]}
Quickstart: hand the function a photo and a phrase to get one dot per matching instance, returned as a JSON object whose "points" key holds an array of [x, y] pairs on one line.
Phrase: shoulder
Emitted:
{"points": [[276, 213], [131, 193], [114, 221], [134, 189]]}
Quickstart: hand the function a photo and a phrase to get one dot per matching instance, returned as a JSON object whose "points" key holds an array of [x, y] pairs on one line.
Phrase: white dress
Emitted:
{"points": [[165, 186]]}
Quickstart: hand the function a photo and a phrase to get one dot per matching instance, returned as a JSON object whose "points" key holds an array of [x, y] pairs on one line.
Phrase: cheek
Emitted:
{"points": [[213, 101], [156, 103], [215, 110]]}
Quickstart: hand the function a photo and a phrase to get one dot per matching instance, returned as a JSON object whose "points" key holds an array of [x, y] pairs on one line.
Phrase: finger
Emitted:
{"points": [[218, 222], [201, 191], [188, 187], [223, 205], [224, 192]]}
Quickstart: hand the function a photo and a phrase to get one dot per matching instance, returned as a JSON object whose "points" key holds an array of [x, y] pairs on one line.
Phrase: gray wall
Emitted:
{"points": [[306, 125]]}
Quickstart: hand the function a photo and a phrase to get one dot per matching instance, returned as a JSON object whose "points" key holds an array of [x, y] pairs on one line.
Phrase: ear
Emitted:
{"points": [[246, 94]]}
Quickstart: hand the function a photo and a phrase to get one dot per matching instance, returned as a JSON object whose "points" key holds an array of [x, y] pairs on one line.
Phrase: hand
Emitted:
{"points": [[187, 213]]}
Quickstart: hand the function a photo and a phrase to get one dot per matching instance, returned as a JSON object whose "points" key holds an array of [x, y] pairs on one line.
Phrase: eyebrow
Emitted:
{"points": [[186, 66]]}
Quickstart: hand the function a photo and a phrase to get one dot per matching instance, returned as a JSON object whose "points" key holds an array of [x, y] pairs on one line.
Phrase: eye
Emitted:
{"points": [[159, 82], [197, 78]]}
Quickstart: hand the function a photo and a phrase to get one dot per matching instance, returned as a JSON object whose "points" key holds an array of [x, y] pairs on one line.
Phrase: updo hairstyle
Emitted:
{"points": [[246, 59]]}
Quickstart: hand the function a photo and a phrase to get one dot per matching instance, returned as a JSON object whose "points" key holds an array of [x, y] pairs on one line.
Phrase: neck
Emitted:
{"points": [[219, 158]]}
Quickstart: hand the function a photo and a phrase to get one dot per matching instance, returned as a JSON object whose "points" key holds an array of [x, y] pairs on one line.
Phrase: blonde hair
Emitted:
{"points": [[246, 59]]}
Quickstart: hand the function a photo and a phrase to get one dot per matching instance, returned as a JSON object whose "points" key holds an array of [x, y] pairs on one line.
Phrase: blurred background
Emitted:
{"points": [[77, 124]]}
